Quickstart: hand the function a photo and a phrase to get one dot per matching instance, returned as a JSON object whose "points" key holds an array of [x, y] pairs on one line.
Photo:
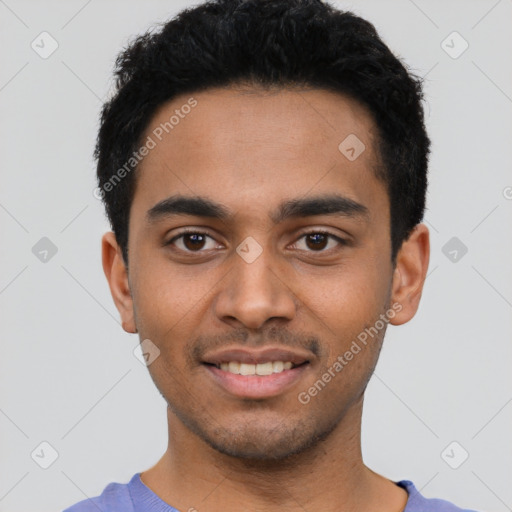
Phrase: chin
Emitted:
{"points": [[259, 442]]}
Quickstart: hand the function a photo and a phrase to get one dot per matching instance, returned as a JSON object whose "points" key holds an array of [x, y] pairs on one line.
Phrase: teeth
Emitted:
{"points": [[247, 369], [265, 368], [256, 369], [277, 366], [233, 367]]}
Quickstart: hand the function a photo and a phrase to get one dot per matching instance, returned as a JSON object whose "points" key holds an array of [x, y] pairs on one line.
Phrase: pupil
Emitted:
{"points": [[194, 241], [317, 237]]}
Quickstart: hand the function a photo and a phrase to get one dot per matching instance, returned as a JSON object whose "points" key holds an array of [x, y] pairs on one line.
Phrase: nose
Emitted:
{"points": [[255, 292]]}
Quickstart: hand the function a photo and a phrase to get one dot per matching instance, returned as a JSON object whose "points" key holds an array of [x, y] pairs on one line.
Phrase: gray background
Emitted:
{"points": [[68, 373]]}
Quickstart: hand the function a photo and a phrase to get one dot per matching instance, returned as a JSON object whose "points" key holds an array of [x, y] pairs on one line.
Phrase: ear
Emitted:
{"points": [[410, 273], [117, 277]]}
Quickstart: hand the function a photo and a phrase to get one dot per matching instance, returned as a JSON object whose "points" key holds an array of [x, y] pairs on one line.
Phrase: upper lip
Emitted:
{"points": [[243, 355]]}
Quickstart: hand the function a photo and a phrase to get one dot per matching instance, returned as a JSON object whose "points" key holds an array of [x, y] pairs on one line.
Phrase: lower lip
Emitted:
{"points": [[257, 386]]}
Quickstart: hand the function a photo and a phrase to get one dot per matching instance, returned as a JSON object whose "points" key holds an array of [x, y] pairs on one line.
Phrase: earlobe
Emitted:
{"points": [[410, 273], [117, 277]]}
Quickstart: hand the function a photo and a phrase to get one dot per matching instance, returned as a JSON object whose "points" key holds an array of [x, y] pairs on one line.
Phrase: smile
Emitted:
{"points": [[267, 368], [257, 373]]}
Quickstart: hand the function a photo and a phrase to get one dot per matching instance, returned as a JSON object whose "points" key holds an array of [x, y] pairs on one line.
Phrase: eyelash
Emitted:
{"points": [[340, 241]]}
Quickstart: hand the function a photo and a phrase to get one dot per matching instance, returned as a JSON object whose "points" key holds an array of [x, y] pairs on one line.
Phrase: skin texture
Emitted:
{"points": [[250, 150]]}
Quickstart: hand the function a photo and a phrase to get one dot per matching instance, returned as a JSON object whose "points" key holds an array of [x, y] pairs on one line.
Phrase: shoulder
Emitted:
{"points": [[418, 503], [114, 498]]}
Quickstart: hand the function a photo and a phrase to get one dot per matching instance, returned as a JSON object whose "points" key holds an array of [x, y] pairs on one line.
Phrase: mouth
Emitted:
{"points": [[257, 375], [260, 369]]}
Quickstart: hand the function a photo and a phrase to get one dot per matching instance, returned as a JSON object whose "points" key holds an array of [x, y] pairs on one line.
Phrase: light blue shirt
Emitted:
{"points": [[135, 496]]}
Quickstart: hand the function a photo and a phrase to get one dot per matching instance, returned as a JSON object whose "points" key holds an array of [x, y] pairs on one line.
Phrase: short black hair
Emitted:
{"points": [[309, 43]]}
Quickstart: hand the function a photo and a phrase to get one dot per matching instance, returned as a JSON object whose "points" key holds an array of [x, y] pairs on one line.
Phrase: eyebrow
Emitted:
{"points": [[199, 206]]}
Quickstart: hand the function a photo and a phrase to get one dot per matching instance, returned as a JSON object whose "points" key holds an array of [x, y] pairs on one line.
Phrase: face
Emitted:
{"points": [[256, 244]]}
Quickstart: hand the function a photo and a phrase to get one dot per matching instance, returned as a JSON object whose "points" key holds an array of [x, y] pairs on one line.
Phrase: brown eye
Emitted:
{"points": [[192, 241], [320, 241], [317, 241]]}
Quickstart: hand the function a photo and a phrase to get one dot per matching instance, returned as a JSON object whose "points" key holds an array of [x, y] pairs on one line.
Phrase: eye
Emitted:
{"points": [[197, 241], [192, 241], [318, 241]]}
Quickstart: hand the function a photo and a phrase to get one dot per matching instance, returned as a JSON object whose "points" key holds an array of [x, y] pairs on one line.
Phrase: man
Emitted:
{"points": [[264, 167]]}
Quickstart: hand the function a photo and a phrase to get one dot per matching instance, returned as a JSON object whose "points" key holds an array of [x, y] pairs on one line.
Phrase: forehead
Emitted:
{"points": [[252, 147]]}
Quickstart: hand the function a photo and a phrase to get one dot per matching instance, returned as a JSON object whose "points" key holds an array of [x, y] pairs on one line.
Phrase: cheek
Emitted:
{"points": [[171, 304], [349, 297], [349, 306], [167, 315], [166, 295]]}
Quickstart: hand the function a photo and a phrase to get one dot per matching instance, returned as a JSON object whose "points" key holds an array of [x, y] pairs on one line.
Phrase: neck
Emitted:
{"points": [[330, 476]]}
